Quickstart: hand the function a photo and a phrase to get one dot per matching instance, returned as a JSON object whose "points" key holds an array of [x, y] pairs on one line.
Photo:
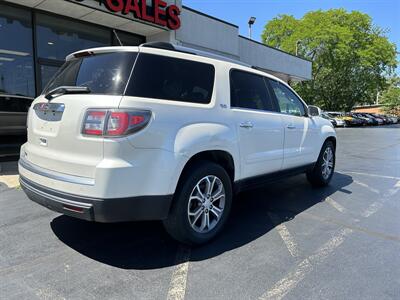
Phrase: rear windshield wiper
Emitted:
{"points": [[63, 90]]}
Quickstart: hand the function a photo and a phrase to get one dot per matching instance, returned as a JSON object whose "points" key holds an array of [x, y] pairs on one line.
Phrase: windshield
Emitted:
{"points": [[106, 73]]}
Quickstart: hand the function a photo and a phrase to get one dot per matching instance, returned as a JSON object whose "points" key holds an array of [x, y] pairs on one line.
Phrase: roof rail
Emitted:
{"points": [[171, 47], [165, 46], [159, 45]]}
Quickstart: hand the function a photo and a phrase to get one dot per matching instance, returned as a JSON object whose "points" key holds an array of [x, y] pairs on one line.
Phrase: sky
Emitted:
{"points": [[384, 13]]}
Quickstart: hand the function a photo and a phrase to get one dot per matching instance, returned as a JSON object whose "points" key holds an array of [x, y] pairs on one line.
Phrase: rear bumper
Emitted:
{"points": [[99, 210]]}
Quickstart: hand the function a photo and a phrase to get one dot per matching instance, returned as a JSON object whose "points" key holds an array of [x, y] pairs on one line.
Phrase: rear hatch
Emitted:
{"points": [[55, 138]]}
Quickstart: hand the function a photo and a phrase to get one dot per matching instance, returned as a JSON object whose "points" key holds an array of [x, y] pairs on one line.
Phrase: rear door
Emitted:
{"points": [[301, 134], [259, 126], [55, 138]]}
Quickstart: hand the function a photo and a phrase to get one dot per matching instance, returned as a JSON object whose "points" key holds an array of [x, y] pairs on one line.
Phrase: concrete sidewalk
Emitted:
{"points": [[9, 178]]}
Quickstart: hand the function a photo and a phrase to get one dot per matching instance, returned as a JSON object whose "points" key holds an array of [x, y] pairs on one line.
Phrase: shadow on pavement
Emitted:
{"points": [[145, 245]]}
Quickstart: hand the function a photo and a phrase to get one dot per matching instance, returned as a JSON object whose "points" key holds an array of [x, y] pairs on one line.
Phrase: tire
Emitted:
{"points": [[184, 227], [318, 176]]}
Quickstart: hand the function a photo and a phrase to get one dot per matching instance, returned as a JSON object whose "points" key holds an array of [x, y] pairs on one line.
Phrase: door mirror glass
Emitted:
{"points": [[314, 111]]}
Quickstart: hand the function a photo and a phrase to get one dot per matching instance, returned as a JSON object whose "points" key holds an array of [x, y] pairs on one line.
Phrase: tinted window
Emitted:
{"points": [[103, 73], [249, 91], [168, 78], [288, 102]]}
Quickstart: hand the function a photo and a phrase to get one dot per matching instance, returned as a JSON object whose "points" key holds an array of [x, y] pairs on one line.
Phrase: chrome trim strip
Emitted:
{"points": [[55, 175], [55, 198]]}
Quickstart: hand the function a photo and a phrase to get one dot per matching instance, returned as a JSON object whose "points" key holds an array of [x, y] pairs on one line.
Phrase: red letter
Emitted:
{"points": [[174, 22], [159, 10], [144, 12], [132, 8], [110, 4]]}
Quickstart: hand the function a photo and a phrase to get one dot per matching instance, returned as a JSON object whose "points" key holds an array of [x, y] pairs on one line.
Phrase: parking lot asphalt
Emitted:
{"points": [[287, 240]]}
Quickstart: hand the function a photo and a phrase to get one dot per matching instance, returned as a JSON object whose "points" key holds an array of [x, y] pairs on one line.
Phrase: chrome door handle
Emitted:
{"points": [[291, 126], [246, 125]]}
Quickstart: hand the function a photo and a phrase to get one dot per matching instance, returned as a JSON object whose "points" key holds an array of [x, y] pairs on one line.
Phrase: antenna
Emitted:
{"points": [[116, 35]]}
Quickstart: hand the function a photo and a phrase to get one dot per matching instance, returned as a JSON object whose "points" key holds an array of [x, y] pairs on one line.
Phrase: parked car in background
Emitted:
{"points": [[347, 119], [368, 120], [359, 121], [395, 119], [338, 116], [383, 119], [330, 119], [380, 121], [339, 122]]}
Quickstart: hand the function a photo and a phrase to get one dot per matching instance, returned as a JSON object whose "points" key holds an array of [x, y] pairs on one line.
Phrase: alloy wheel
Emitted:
{"points": [[206, 204], [327, 164]]}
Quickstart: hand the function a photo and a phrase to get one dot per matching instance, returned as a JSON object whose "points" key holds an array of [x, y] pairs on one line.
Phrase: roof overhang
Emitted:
{"points": [[96, 12]]}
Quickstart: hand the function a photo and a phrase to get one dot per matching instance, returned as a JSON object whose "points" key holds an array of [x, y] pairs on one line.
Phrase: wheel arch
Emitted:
{"points": [[220, 157], [332, 139]]}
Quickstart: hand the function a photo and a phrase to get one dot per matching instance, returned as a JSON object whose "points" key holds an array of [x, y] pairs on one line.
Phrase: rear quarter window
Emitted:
{"points": [[168, 78]]}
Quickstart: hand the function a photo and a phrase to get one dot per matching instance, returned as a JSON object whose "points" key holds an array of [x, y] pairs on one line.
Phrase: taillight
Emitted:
{"points": [[113, 123], [118, 123], [94, 122]]}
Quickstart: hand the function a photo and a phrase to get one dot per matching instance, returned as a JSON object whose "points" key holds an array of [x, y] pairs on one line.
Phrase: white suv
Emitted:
{"points": [[159, 132]]}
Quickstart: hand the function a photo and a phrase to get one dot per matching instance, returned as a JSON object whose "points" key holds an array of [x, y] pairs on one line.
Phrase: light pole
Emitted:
{"points": [[251, 23]]}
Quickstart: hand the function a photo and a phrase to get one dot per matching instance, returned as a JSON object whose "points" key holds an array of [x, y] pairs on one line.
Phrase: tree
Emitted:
{"points": [[351, 57], [391, 97]]}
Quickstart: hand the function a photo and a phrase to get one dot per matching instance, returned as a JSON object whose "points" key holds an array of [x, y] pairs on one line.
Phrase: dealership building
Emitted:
{"points": [[37, 35]]}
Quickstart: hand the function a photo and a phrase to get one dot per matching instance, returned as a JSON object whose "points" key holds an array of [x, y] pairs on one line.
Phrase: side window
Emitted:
{"points": [[249, 91], [168, 78], [288, 102]]}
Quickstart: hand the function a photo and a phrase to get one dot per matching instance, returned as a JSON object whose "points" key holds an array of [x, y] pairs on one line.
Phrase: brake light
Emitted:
{"points": [[118, 123], [113, 123]]}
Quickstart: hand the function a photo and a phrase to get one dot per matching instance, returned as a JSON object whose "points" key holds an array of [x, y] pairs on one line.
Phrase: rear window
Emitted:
{"points": [[168, 78], [106, 73]]}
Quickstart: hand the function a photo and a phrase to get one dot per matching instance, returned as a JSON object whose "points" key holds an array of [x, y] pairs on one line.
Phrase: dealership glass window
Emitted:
{"points": [[46, 73], [128, 39], [17, 79], [57, 37]]}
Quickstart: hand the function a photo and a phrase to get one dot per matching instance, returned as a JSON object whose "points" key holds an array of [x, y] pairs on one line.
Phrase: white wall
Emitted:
{"points": [[205, 33], [271, 59], [209, 34]]}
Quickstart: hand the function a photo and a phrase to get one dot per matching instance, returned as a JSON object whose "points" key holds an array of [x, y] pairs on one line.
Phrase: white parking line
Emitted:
{"points": [[334, 204], [287, 238], [372, 209], [177, 287], [287, 284], [377, 205], [393, 191], [371, 175], [366, 186]]}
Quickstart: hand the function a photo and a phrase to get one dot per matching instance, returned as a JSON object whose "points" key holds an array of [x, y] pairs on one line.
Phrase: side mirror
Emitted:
{"points": [[314, 111]]}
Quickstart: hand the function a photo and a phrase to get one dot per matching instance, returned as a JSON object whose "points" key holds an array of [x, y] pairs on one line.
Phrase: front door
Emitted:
{"points": [[300, 130]]}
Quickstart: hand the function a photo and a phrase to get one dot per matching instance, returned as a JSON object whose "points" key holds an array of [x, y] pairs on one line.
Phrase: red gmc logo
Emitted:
{"points": [[159, 13]]}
